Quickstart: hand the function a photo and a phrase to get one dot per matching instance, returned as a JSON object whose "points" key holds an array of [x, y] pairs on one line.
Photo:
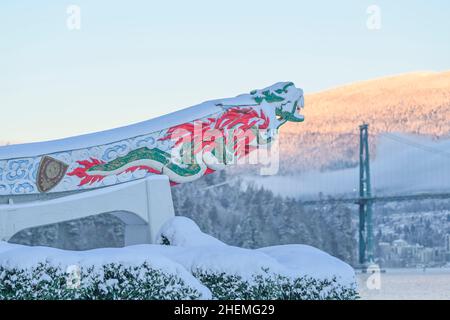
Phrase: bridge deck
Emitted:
{"points": [[421, 196]]}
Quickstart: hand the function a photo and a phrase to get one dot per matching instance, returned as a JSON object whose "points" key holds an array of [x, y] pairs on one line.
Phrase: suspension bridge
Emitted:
{"points": [[366, 200]]}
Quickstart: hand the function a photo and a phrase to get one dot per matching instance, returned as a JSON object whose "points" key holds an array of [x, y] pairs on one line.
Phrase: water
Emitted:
{"points": [[415, 284]]}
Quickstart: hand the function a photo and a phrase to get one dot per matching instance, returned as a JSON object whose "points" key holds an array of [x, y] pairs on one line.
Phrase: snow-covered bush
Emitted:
{"points": [[272, 286], [190, 265], [108, 282], [292, 272], [112, 273], [183, 232]]}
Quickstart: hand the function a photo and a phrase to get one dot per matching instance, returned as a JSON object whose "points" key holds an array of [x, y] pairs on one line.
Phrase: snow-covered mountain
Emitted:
{"points": [[416, 103]]}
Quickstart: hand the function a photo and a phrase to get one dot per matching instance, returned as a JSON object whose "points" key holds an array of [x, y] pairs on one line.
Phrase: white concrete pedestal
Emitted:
{"points": [[144, 205]]}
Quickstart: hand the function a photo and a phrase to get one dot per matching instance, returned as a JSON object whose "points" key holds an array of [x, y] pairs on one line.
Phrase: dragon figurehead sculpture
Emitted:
{"points": [[183, 145], [284, 100]]}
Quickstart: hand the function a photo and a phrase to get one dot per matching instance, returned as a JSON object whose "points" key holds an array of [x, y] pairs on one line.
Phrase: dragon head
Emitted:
{"points": [[282, 101]]}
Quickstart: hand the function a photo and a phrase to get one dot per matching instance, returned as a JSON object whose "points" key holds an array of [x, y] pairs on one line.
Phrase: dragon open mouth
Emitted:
{"points": [[295, 115], [300, 106]]}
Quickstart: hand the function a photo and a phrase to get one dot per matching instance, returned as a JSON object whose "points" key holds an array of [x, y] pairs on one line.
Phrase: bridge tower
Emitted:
{"points": [[366, 251]]}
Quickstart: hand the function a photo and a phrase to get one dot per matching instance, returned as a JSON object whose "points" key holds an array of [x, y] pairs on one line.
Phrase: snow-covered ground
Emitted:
{"points": [[190, 251]]}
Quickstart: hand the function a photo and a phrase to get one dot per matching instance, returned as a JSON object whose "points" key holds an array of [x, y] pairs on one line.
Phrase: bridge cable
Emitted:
{"points": [[416, 144]]}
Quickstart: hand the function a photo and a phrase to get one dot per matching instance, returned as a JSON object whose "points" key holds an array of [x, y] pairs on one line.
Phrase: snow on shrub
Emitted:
{"points": [[108, 282], [273, 286], [280, 272], [192, 265], [183, 232], [307, 261], [45, 273]]}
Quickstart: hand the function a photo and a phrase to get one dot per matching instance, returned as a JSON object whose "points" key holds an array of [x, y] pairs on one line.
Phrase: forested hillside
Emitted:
{"points": [[417, 103]]}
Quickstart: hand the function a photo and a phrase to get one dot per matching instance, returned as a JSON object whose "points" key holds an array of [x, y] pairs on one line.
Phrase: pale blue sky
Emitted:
{"points": [[134, 60]]}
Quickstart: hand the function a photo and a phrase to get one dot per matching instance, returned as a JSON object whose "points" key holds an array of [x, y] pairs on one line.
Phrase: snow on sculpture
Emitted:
{"points": [[183, 145]]}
